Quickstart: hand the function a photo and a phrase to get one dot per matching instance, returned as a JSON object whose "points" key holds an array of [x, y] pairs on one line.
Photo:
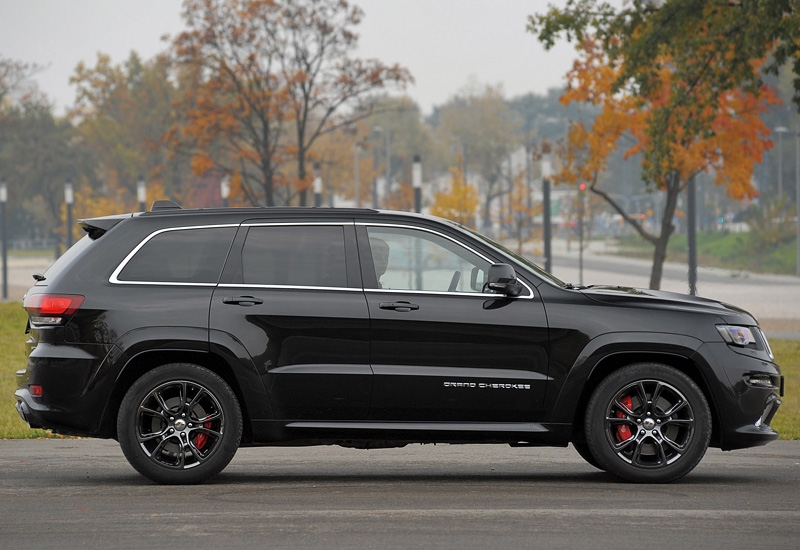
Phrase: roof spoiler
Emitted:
{"points": [[97, 227]]}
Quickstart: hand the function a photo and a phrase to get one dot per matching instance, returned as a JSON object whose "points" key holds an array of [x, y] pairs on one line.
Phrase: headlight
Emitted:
{"points": [[738, 336]]}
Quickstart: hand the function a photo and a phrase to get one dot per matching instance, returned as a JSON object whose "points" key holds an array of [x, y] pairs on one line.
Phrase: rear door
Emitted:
{"points": [[444, 348], [292, 294]]}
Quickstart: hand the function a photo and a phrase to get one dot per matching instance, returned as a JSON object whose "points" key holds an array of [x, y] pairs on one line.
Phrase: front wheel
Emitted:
{"points": [[179, 424], [648, 423]]}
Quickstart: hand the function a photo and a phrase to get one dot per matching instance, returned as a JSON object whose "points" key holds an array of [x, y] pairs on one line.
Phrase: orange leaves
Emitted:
{"points": [[201, 163], [681, 127]]}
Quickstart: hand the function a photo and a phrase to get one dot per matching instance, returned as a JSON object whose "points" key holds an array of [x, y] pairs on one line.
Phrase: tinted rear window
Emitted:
{"points": [[295, 256], [181, 256]]}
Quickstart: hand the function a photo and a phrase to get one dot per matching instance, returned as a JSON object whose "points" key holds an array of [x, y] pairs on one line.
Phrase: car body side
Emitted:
{"points": [[585, 335]]}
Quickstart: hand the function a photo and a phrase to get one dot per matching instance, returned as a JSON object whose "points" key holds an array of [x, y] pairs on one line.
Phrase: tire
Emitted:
{"points": [[583, 450], [179, 424], [647, 423]]}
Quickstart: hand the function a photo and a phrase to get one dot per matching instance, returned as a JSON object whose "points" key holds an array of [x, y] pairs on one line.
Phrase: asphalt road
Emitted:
{"points": [[82, 493]]}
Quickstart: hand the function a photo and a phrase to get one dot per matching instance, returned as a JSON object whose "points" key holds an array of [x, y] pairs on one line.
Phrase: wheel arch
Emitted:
{"points": [[146, 361], [677, 352]]}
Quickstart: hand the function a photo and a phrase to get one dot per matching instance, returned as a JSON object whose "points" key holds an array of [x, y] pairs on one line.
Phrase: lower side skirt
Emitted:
{"points": [[365, 434]]}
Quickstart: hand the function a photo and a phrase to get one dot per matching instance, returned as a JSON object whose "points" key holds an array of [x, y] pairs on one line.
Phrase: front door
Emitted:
{"points": [[445, 348]]}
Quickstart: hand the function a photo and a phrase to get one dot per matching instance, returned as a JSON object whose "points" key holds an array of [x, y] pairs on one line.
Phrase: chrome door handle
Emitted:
{"points": [[399, 306], [242, 300]]}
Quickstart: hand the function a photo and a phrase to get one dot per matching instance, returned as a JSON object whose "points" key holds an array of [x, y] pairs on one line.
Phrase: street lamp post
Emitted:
{"points": [[387, 170], [69, 199], [141, 194], [356, 175], [797, 196], [3, 201], [416, 180], [317, 186], [225, 189], [547, 171], [780, 130], [375, 176], [691, 233]]}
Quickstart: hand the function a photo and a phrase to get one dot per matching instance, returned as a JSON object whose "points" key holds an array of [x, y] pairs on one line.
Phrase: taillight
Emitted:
{"points": [[51, 309]]}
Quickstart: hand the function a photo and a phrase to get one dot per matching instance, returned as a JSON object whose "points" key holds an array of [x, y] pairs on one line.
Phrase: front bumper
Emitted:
{"points": [[744, 410]]}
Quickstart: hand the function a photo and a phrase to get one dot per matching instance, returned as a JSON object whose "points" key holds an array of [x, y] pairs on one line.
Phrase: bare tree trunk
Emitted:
{"points": [[661, 242]]}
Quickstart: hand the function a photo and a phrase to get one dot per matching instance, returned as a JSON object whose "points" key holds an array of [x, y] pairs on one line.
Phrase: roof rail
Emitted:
{"points": [[164, 205]]}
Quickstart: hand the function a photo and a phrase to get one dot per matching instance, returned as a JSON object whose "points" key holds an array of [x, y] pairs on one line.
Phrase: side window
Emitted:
{"points": [[295, 256], [409, 259], [181, 256]]}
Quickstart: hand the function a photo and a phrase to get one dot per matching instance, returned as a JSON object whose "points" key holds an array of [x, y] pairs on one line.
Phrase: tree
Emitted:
{"points": [[460, 202], [735, 141], [15, 78], [480, 127], [45, 153], [261, 65], [708, 46], [236, 104], [123, 113], [315, 41], [520, 213]]}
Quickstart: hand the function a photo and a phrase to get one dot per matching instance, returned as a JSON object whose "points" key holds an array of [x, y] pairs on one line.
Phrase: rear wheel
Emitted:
{"points": [[648, 423], [179, 424]]}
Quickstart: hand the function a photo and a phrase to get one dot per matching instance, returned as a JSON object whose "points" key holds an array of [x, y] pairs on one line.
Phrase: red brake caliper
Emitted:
{"points": [[202, 438], [623, 430]]}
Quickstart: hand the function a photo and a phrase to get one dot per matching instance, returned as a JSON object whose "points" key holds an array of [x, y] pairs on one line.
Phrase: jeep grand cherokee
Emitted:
{"points": [[185, 334]]}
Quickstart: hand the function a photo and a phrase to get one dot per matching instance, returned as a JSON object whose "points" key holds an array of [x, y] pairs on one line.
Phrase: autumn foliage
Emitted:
{"points": [[678, 139], [270, 78], [459, 203]]}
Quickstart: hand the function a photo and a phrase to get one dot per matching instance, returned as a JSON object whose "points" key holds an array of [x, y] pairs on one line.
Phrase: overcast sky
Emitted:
{"points": [[445, 43]]}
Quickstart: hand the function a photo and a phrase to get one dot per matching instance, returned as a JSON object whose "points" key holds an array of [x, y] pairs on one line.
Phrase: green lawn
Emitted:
{"points": [[733, 251], [12, 358]]}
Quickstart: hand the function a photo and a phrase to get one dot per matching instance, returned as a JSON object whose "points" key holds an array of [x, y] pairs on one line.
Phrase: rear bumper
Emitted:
{"points": [[43, 417]]}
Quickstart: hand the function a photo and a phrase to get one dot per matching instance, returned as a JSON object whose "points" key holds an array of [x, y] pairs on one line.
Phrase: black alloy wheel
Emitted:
{"points": [[648, 423], [179, 423]]}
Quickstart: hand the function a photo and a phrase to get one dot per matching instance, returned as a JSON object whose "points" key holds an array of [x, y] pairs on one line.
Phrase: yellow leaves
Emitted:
{"points": [[460, 202]]}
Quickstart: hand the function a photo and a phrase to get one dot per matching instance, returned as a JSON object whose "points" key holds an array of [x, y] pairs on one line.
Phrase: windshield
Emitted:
{"points": [[544, 275]]}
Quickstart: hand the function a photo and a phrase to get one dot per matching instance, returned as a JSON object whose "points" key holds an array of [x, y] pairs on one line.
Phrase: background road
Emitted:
{"points": [[82, 493]]}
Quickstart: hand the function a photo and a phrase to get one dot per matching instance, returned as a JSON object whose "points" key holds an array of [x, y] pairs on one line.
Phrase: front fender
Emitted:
{"points": [[609, 351]]}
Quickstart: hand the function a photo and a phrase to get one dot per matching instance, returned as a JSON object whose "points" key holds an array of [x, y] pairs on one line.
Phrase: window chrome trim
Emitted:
{"points": [[266, 224], [114, 279], [441, 293], [289, 287], [462, 245]]}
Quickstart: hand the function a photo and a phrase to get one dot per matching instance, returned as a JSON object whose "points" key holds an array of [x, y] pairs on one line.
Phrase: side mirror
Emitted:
{"points": [[502, 278]]}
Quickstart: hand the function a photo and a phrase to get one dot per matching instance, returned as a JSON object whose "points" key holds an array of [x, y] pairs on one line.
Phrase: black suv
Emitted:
{"points": [[184, 334]]}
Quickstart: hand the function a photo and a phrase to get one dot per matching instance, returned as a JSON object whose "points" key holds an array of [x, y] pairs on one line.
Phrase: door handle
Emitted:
{"points": [[399, 306], [242, 300]]}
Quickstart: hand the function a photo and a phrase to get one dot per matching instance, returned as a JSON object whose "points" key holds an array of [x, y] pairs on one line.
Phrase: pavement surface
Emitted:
{"points": [[82, 493]]}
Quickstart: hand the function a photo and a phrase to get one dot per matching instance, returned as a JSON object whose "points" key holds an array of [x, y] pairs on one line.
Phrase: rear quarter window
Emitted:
{"points": [[178, 256], [73, 254]]}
